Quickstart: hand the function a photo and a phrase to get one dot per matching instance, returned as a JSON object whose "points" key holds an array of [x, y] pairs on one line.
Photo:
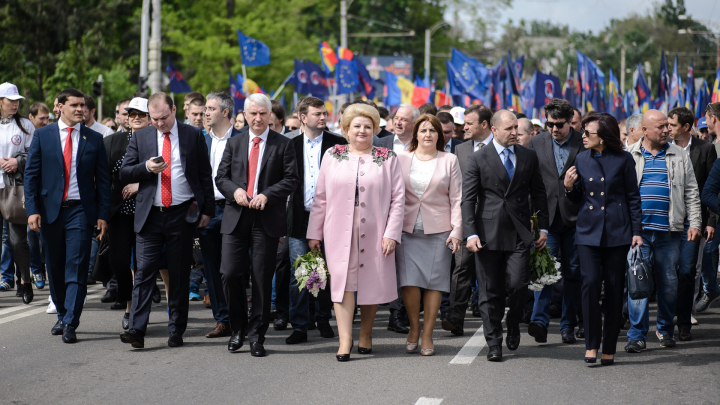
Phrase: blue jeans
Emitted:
{"points": [[300, 300], [662, 252], [561, 238], [686, 281], [35, 251], [7, 261], [709, 269], [211, 248]]}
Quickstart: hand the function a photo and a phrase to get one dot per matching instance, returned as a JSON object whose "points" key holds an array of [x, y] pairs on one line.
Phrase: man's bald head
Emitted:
{"points": [[504, 126], [526, 130], [655, 129]]}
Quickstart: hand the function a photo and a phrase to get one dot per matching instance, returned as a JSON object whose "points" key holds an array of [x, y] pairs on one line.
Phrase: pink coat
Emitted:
{"points": [[382, 202], [440, 203]]}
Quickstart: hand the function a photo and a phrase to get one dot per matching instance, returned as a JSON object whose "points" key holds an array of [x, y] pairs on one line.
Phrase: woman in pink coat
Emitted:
{"points": [[358, 211]]}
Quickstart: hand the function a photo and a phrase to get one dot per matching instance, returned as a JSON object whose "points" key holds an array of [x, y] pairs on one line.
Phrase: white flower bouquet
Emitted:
{"points": [[311, 272], [544, 267]]}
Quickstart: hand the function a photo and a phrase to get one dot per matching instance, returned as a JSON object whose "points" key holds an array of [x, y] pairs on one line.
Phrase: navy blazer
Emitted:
{"points": [[44, 175], [609, 198], [195, 162]]}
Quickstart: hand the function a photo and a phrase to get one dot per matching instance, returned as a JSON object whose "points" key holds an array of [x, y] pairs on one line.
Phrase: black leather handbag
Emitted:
{"points": [[639, 275]]}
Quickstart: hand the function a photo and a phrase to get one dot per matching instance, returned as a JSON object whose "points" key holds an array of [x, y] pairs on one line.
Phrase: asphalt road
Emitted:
{"points": [[37, 368]]}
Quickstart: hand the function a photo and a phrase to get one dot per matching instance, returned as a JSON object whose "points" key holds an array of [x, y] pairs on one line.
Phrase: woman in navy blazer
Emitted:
{"points": [[604, 182]]}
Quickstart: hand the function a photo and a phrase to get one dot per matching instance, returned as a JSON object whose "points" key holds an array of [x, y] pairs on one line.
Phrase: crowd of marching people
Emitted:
{"points": [[426, 211]]}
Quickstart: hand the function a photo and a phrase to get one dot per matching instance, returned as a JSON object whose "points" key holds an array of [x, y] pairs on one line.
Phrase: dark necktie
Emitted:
{"points": [[509, 167]]}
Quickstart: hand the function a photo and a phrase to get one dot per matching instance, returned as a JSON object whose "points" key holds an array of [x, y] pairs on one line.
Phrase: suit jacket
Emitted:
{"points": [[116, 147], [195, 164], [384, 133], [702, 156], [296, 205], [384, 142], [292, 134], [609, 198], [440, 202], [278, 179], [503, 206], [44, 175], [463, 151], [554, 183], [454, 143]]}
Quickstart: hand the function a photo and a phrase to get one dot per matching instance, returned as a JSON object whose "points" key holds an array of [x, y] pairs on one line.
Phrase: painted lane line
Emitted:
{"points": [[38, 303], [472, 348], [428, 401], [39, 310]]}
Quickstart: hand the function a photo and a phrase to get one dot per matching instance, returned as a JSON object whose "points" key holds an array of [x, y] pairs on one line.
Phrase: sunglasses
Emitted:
{"points": [[293, 128], [559, 125], [711, 108], [588, 133], [133, 114]]}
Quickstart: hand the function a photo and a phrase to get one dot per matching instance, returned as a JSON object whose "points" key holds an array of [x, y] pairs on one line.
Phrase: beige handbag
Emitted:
{"points": [[12, 204]]}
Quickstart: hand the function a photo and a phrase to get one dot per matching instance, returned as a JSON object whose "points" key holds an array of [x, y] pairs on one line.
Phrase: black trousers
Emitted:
{"points": [[461, 283], [598, 265], [498, 271], [169, 229], [122, 240], [249, 234]]}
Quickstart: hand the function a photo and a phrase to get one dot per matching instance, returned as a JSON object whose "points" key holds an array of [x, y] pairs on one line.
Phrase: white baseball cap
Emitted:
{"points": [[383, 123], [537, 122], [458, 114], [9, 90], [138, 103]]}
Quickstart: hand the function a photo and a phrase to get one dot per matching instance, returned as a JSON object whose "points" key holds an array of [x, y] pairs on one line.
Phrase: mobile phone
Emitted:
{"points": [[450, 246], [158, 159]]}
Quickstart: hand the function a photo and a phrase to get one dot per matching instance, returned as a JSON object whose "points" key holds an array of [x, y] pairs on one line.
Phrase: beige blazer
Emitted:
{"points": [[440, 203]]}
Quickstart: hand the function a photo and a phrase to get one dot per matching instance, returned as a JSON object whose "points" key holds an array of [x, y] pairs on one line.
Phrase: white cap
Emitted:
{"points": [[537, 122], [9, 90], [383, 123], [138, 103], [458, 114]]}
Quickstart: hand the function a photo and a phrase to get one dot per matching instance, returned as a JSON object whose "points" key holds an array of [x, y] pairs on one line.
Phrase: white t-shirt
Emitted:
{"points": [[102, 129], [13, 140]]}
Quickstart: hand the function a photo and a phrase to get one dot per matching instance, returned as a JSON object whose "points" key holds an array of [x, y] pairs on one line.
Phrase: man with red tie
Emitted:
{"points": [[170, 162], [256, 175], [67, 194]]}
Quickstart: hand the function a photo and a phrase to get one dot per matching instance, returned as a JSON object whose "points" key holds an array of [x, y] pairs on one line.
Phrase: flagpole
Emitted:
{"points": [[282, 86], [245, 79]]}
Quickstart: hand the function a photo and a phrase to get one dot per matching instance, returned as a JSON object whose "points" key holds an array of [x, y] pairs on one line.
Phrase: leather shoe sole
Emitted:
{"points": [[256, 351], [135, 341], [175, 341], [538, 332]]}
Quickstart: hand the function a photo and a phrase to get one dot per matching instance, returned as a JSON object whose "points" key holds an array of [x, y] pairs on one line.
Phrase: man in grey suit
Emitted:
{"points": [[498, 183], [477, 128], [556, 151]]}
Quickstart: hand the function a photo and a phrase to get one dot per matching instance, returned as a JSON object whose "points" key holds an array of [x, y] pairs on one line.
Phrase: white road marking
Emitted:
{"points": [[35, 311], [428, 401], [472, 348]]}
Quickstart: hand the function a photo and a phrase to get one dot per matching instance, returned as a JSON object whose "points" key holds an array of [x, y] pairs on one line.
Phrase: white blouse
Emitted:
{"points": [[13, 140], [420, 174]]}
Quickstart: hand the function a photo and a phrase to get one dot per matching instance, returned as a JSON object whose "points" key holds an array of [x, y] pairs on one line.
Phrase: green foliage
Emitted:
{"points": [[541, 262]]}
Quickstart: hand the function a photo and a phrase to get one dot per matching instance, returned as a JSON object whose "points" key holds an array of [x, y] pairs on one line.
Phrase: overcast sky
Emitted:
{"points": [[594, 15]]}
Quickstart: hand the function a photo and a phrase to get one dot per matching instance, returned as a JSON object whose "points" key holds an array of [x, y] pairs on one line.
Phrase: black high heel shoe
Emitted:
{"points": [[607, 362], [590, 359], [364, 350], [345, 357]]}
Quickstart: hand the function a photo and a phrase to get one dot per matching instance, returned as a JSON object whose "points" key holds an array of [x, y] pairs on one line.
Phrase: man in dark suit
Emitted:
{"points": [[175, 194], [498, 183], [67, 193], [477, 129], [256, 175], [556, 151], [309, 149], [702, 156], [448, 127]]}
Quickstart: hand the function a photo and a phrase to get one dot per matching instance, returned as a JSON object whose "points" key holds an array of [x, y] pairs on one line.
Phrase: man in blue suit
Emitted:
{"points": [[67, 192]]}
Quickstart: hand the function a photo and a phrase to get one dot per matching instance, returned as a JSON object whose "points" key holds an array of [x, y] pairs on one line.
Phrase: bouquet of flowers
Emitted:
{"points": [[544, 267], [311, 272]]}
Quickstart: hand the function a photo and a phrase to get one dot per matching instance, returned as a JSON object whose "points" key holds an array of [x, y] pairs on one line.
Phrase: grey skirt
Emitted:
{"points": [[424, 261]]}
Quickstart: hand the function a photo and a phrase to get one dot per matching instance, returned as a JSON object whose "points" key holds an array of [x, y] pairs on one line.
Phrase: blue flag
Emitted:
{"points": [[617, 102], [393, 95], [690, 88], [644, 98], [528, 95], [346, 76], [367, 83], [474, 75], [663, 79], [309, 78], [675, 98], [496, 94], [177, 81], [254, 52], [547, 87], [237, 94], [454, 78]]}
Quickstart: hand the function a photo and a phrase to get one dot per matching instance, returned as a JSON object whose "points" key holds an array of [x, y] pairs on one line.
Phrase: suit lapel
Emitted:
{"points": [[81, 146], [300, 155], [519, 165], [183, 145], [575, 143], [405, 165], [56, 141], [493, 160], [548, 149], [269, 148]]}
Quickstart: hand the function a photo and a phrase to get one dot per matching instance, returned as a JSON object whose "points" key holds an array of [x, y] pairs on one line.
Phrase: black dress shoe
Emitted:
{"points": [[495, 353], [396, 325], [280, 324], [68, 335], [110, 296], [57, 330], [580, 334], [311, 326], [126, 321], [453, 326], [27, 293], [364, 350], [257, 350], [296, 337], [119, 305], [175, 340], [236, 341], [512, 341], [538, 331], [526, 317], [568, 336], [156, 295], [326, 330], [134, 337], [345, 357], [476, 311]]}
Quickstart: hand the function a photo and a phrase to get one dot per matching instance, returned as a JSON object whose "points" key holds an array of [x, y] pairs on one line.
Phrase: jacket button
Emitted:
{"points": [[362, 250], [590, 178], [362, 161], [362, 265], [362, 188], [591, 207], [602, 208], [496, 183], [591, 194], [362, 220], [362, 205], [362, 173], [602, 178], [602, 193], [362, 235]]}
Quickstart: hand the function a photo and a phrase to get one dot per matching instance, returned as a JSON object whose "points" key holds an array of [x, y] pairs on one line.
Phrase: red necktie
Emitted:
{"points": [[67, 160], [252, 165], [166, 184]]}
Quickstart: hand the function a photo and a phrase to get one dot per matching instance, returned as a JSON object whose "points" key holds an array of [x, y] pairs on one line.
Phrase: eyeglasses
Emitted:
{"points": [[559, 125], [134, 114], [588, 133], [117, 111], [293, 128]]}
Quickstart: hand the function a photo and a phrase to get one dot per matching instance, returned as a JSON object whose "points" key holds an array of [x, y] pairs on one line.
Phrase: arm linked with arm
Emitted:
{"points": [[456, 200], [632, 196], [396, 213], [132, 170]]}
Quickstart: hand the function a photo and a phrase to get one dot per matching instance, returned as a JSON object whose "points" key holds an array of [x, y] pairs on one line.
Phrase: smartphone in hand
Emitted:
{"points": [[158, 159]]}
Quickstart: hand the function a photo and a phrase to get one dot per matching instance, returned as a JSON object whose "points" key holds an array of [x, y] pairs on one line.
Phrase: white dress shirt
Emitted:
{"points": [[263, 141], [398, 146], [486, 141], [103, 130], [13, 140], [216, 152], [687, 147], [311, 165], [181, 190], [73, 190]]}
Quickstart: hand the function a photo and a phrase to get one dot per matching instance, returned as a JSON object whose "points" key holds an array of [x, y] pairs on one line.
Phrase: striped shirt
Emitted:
{"points": [[655, 191]]}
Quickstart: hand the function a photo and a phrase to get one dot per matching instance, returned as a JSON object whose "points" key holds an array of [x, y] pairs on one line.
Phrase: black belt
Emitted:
{"points": [[70, 203], [173, 207], [219, 202]]}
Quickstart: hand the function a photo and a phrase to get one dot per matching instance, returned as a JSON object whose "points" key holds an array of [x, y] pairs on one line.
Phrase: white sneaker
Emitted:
{"points": [[693, 321], [51, 308]]}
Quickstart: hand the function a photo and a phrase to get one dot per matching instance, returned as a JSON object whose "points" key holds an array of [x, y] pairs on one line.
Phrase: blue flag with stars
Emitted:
{"points": [[346, 76], [254, 52]]}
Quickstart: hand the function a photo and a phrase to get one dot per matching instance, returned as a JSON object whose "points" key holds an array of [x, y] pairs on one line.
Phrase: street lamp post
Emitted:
{"points": [[428, 35]]}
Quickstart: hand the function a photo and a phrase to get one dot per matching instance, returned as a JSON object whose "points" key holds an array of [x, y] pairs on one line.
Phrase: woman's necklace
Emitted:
{"points": [[425, 160], [5, 121]]}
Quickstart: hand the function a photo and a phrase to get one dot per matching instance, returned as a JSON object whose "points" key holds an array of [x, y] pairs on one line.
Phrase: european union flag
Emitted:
{"points": [[177, 81], [547, 87], [254, 52], [474, 75], [675, 98], [346, 76]]}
